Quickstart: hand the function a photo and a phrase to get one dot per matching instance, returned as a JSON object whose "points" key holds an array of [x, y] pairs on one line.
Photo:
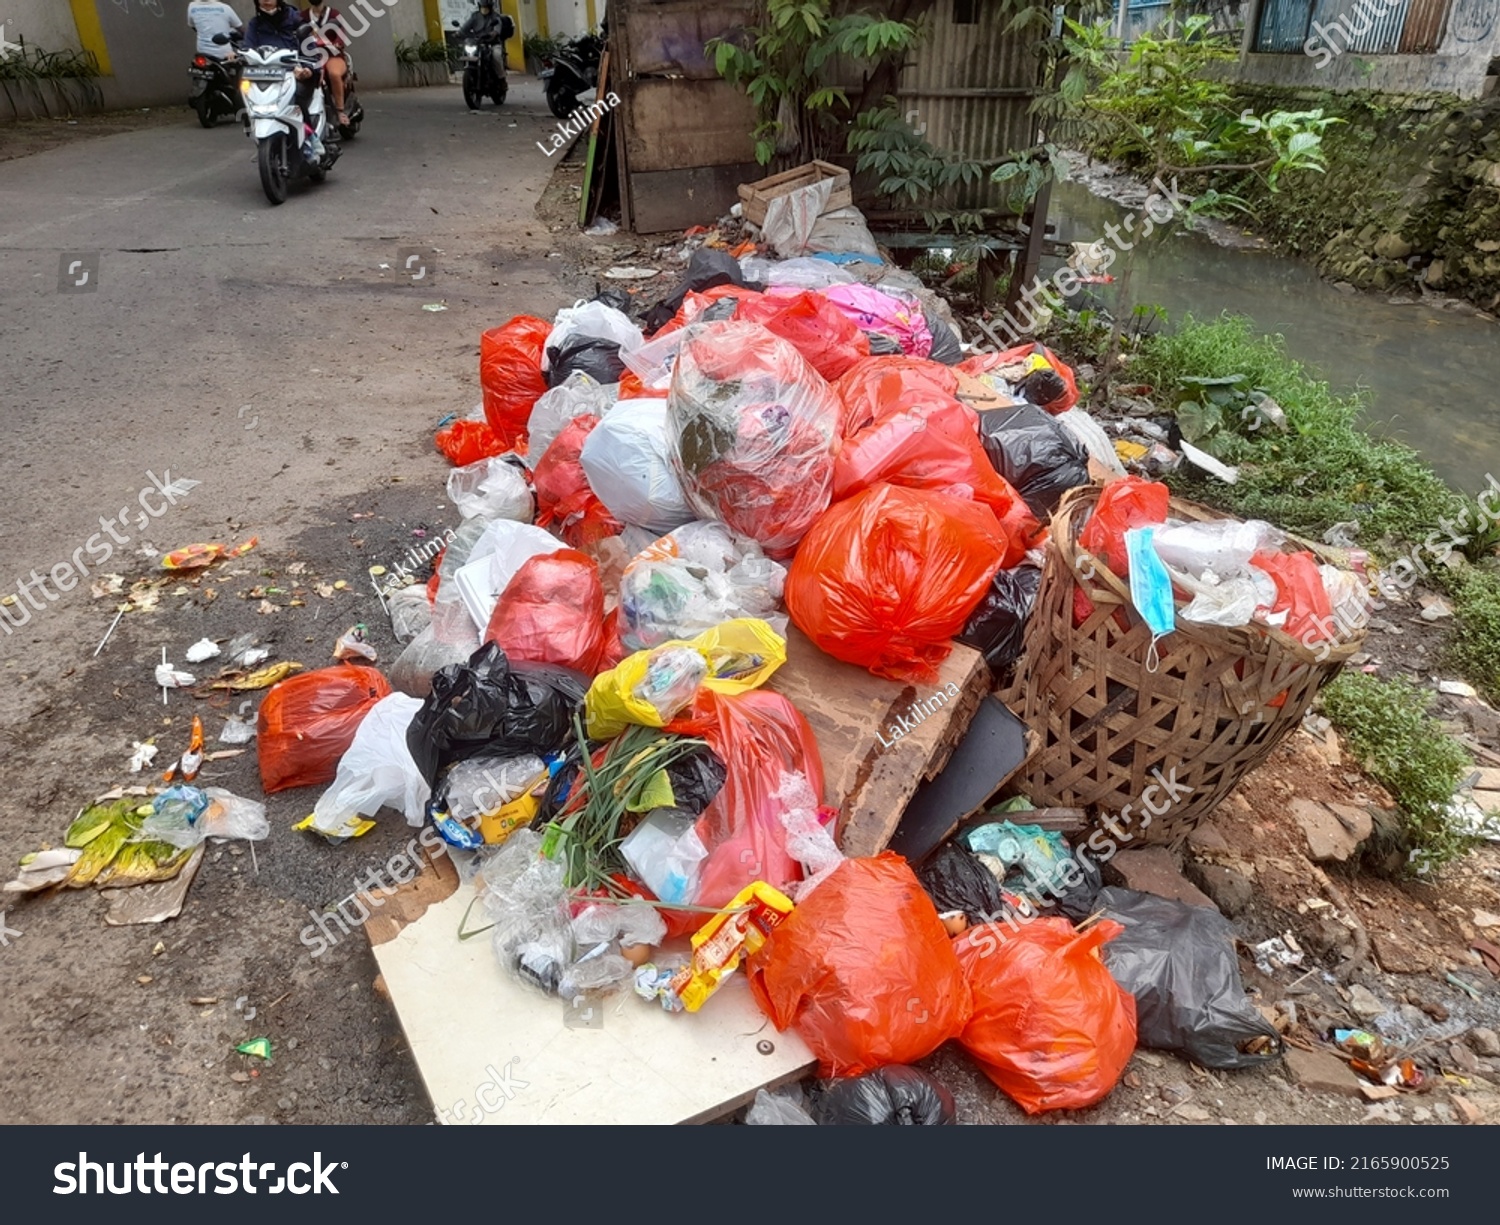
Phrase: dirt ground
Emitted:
{"points": [[139, 1024]]}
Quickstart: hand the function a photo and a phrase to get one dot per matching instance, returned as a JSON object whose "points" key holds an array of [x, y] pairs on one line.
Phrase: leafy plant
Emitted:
{"points": [[1387, 726], [1474, 647], [540, 47]]}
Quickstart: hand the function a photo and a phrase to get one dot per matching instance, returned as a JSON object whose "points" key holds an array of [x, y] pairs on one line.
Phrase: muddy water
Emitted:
{"points": [[1431, 376]]}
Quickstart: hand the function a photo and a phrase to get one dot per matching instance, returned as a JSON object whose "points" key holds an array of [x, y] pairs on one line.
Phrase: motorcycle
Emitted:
{"points": [[574, 71], [215, 93], [289, 144], [352, 108], [481, 79]]}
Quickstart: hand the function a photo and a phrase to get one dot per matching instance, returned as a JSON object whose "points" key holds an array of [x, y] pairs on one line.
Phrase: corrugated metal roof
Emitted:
{"points": [[1368, 27]]}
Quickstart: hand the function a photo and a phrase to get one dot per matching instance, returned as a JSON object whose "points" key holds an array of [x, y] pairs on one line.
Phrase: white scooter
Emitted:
{"points": [[290, 144]]}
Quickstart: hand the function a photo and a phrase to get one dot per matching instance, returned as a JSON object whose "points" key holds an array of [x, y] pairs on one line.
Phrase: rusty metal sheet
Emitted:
{"points": [[663, 200], [1425, 25]]}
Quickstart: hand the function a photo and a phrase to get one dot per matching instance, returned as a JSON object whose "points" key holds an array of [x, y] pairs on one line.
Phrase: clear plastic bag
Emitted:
{"points": [[693, 579], [808, 840], [666, 853], [802, 272], [479, 785], [754, 433], [377, 770], [429, 652], [577, 396], [628, 461], [1091, 434], [525, 897], [1221, 546], [782, 1108], [185, 816], [411, 613], [593, 321], [493, 488]]}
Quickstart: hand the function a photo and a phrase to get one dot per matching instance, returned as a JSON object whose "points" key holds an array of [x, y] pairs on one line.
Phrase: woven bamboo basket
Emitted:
{"points": [[1215, 705]]}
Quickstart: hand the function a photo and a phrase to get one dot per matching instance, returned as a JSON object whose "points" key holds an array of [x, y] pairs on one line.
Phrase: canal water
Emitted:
{"points": [[1431, 377]]}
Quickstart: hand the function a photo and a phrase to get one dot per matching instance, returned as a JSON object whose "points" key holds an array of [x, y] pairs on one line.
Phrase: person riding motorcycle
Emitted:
{"points": [[275, 24], [328, 31], [487, 21], [209, 17]]}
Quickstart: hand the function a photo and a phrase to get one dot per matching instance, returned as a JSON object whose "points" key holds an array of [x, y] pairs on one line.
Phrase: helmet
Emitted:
{"points": [[486, 4]]}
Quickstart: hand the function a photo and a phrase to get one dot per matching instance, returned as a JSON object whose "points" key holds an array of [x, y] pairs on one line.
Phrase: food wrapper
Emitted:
{"points": [[728, 938]]}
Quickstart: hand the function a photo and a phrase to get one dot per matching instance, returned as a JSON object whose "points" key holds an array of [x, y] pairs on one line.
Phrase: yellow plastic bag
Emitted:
{"points": [[735, 657]]}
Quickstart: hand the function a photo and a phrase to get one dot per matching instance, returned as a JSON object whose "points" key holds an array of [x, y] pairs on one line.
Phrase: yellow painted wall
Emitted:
{"points": [[514, 56], [434, 19], [91, 33]]}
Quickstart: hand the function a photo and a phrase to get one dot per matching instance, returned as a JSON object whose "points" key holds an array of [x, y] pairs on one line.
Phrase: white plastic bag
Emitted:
{"points": [[804, 272], [1089, 432], [503, 549], [780, 1109], [627, 458], [595, 321], [790, 218], [376, 770], [494, 488], [1222, 546], [578, 395]]}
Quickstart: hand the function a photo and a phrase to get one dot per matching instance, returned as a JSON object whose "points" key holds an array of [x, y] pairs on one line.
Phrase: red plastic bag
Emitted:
{"points": [[754, 430], [308, 721], [1299, 593], [887, 578], [759, 736], [1049, 1025], [983, 363], [552, 612], [935, 446], [813, 325], [876, 386], [695, 302], [864, 969], [467, 442], [631, 388], [1124, 504], [510, 371], [563, 494]]}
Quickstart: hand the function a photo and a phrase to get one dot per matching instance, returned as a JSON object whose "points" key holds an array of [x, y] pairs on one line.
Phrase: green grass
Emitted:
{"points": [[1473, 648], [1386, 725], [1324, 468]]}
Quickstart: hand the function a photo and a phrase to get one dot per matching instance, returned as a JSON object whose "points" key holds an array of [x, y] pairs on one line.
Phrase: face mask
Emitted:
{"points": [[1150, 588]]}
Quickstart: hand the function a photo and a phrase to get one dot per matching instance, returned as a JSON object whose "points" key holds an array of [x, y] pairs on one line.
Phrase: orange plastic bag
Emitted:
{"points": [[563, 494], [759, 736], [887, 578], [864, 969], [510, 371], [813, 325], [1036, 355], [1049, 1025], [631, 388], [1124, 504], [308, 721], [467, 442], [935, 446], [552, 612], [695, 302], [1299, 593], [876, 386]]}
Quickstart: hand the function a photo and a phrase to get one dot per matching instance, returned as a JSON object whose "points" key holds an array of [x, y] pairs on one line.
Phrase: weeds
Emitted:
{"points": [[1401, 747]]}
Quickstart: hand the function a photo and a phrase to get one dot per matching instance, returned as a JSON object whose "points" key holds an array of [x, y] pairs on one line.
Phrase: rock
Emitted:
{"points": [[1392, 246], [1398, 955], [1438, 1012], [1178, 1092], [1327, 838], [1486, 919], [1153, 870], [1356, 820], [1488, 801], [1456, 689], [1489, 778], [1462, 1058], [1378, 1093], [1207, 841], [1365, 1004], [1467, 1111], [1484, 1041], [1150, 1060], [1320, 1072], [1412, 1017], [1435, 608], [1230, 892], [1420, 1114], [1434, 274], [1194, 1114]]}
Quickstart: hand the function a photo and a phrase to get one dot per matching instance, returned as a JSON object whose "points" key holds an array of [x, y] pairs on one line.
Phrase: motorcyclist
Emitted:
{"points": [[209, 17], [328, 30], [275, 24], [488, 22]]}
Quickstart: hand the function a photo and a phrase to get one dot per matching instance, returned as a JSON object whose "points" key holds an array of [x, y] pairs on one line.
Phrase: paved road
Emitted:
{"points": [[266, 353]]}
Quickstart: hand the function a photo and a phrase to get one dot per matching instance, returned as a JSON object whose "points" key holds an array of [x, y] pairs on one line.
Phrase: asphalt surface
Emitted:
{"points": [[283, 358]]}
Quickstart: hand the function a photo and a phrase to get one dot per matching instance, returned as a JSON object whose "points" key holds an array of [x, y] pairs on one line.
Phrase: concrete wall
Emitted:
{"points": [[408, 21], [47, 24]]}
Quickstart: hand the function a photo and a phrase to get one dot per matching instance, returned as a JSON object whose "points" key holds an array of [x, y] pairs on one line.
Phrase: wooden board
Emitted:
{"points": [[590, 161], [870, 775], [676, 125], [667, 39], [492, 1051], [678, 199]]}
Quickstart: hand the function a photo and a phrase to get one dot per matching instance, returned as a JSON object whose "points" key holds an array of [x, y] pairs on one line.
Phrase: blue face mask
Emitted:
{"points": [[1150, 587]]}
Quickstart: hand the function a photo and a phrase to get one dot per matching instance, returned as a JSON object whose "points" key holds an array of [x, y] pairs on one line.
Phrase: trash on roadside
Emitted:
{"points": [[261, 678], [307, 722], [353, 643], [784, 1107], [740, 930], [892, 1096], [1278, 951], [142, 756], [196, 556], [190, 762], [203, 649], [259, 1048]]}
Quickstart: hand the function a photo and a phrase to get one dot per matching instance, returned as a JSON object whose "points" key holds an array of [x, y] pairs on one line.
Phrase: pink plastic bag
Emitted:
{"points": [[874, 310]]}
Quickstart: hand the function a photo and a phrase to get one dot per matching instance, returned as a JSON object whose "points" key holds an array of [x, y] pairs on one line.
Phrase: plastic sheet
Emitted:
{"points": [[307, 721], [552, 612], [754, 432], [564, 497], [1223, 546], [997, 628], [1035, 454], [1049, 1025], [874, 387], [492, 706], [694, 579], [577, 396], [666, 853], [1179, 963], [491, 489], [864, 970], [801, 272], [886, 579], [627, 459], [377, 770], [894, 314], [887, 1097], [1091, 436], [813, 325], [510, 371]]}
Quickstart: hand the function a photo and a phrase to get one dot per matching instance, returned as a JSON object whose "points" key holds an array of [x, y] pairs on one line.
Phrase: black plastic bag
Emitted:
{"points": [[894, 1096], [882, 345], [1043, 387], [599, 359], [615, 297], [997, 627], [492, 706], [696, 779], [707, 269], [945, 346], [956, 880], [1035, 454], [1179, 963]]}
